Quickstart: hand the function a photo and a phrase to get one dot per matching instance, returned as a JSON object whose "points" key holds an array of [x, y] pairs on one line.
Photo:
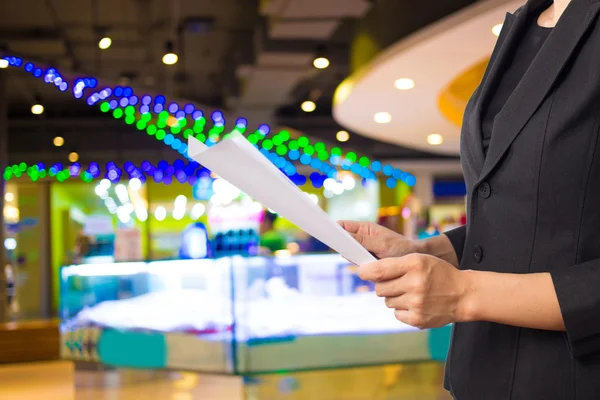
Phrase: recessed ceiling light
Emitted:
{"points": [[435, 139], [37, 109], [170, 56], [321, 62], [497, 29], [58, 141], [342, 136], [308, 106], [104, 43], [170, 59], [382, 117], [404, 84]]}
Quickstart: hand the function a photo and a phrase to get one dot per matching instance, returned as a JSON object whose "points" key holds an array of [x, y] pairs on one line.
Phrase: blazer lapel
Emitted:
{"points": [[509, 37], [541, 75]]}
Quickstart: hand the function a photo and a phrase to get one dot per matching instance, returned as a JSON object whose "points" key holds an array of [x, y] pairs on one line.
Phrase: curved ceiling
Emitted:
{"points": [[433, 58]]}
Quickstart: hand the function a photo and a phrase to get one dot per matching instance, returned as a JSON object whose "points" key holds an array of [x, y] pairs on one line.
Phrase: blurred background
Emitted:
{"points": [[131, 271]]}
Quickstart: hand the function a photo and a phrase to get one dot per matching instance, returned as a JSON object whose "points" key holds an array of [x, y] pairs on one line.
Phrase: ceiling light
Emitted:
{"points": [[11, 213], [37, 109], [9, 196], [497, 29], [73, 156], [10, 243], [99, 190], [170, 56], [3, 63], [105, 183], [349, 182], [404, 84], [141, 214], [122, 193], [308, 106], [435, 139], [58, 141], [123, 215], [382, 117], [135, 184], [342, 136], [197, 211], [160, 213], [105, 43], [321, 62]]}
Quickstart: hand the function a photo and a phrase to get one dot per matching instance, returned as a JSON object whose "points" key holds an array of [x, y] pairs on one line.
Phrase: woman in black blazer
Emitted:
{"points": [[525, 298]]}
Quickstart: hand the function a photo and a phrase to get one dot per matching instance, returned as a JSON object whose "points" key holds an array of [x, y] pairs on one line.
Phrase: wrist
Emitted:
{"points": [[420, 246], [468, 303]]}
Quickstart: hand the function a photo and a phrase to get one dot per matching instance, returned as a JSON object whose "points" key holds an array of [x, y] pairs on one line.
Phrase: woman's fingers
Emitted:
{"points": [[371, 243], [351, 227], [392, 288], [411, 318]]}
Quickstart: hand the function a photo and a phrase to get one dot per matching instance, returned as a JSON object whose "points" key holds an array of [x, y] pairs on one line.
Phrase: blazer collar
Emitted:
{"points": [[508, 39], [541, 75]]}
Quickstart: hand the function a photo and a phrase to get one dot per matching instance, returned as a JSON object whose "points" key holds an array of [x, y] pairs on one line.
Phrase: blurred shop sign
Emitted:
{"points": [[203, 189], [449, 189], [24, 224], [128, 245]]}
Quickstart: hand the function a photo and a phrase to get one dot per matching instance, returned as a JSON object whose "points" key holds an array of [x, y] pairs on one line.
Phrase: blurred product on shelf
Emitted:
{"points": [[271, 240]]}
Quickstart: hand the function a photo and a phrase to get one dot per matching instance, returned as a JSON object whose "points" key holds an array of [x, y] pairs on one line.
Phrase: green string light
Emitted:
{"points": [[281, 150], [267, 144], [319, 149], [303, 141], [285, 136]]}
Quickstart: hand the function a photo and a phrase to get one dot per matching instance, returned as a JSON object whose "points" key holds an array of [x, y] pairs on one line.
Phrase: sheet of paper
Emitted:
{"points": [[237, 161]]}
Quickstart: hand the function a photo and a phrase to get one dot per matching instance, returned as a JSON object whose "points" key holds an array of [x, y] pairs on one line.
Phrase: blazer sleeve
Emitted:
{"points": [[578, 292], [457, 237]]}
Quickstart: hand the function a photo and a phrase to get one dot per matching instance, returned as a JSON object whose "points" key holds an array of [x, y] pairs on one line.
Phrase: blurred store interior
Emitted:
{"points": [[131, 271]]}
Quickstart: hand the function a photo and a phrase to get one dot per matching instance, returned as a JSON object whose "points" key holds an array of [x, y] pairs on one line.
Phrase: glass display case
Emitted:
{"points": [[234, 315]]}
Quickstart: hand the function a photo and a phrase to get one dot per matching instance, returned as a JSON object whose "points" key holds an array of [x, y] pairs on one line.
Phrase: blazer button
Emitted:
{"points": [[485, 190], [478, 254]]}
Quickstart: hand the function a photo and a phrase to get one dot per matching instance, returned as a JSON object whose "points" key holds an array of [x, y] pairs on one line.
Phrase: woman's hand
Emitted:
{"points": [[380, 241], [424, 291]]}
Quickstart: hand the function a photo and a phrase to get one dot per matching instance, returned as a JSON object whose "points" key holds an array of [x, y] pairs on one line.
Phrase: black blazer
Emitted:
{"points": [[534, 206]]}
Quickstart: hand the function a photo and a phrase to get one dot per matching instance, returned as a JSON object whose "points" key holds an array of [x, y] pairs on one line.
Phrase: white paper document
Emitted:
{"points": [[237, 161]]}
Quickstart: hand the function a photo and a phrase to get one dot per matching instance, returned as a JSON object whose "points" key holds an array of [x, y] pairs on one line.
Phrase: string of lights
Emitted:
{"points": [[122, 101]]}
